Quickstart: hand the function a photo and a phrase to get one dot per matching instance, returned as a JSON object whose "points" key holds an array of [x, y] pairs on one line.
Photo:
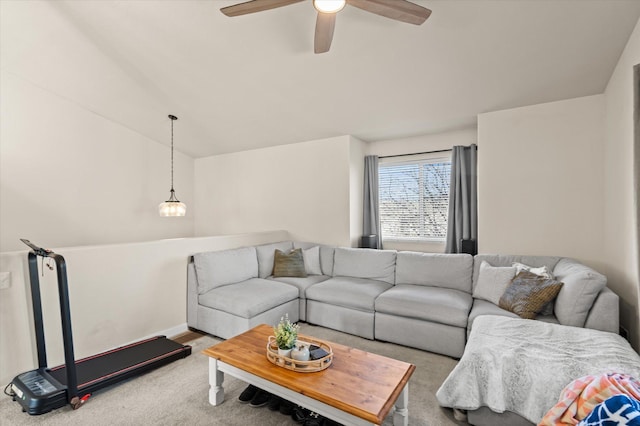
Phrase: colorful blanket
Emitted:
{"points": [[582, 395], [619, 410]]}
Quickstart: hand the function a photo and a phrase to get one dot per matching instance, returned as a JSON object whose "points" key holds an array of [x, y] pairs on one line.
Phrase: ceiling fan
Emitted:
{"points": [[400, 10]]}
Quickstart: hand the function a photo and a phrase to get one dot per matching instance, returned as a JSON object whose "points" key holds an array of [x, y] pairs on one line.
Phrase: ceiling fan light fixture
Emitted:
{"points": [[329, 6]]}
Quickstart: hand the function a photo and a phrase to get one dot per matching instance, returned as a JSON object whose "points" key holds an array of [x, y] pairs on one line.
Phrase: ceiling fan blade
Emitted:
{"points": [[325, 24], [400, 10], [255, 6]]}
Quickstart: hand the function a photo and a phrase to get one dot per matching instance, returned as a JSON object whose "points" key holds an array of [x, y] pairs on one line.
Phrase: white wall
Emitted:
{"points": [[70, 177], [412, 145], [119, 294], [540, 180], [303, 188], [621, 193], [356, 189]]}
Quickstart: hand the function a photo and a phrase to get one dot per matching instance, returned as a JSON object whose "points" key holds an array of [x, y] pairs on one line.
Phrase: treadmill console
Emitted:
{"points": [[38, 392]]}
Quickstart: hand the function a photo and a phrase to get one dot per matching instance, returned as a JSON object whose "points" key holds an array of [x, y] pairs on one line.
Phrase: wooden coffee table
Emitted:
{"points": [[359, 388]]}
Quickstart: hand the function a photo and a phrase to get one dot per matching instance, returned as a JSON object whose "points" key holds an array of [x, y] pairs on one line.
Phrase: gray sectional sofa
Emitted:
{"points": [[421, 300]]}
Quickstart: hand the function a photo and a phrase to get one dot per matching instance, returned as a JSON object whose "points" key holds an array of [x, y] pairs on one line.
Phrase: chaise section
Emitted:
{"points": [[241, 306], [226, 297], [249, 298]]}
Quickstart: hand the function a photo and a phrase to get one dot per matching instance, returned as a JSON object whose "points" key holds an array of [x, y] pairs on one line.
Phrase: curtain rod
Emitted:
{"points": [[417, 153]]}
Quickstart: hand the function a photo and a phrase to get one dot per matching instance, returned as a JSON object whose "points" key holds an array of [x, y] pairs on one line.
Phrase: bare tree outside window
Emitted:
{"points": [[414, 199]]}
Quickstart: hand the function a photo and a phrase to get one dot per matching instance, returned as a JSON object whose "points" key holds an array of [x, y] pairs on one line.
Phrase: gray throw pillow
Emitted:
{"points": [[581, 288], [289, 264], [493, 281], [311, 258]]}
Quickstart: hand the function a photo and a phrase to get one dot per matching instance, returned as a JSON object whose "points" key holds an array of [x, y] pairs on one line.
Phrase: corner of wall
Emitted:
{"points": [[356, 188]]}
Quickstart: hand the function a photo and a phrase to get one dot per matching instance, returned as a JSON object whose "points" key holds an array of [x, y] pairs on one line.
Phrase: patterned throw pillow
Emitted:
{"points": [[541, 271], [289, 264], [528, 293]]}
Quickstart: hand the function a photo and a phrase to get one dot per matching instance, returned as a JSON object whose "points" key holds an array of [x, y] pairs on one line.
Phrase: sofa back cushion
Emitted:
{"points": [[435, 270], [326, 255], [218, 268], [373, 264], [508, 260], [266, 253], [493, 281], [581, 288]]}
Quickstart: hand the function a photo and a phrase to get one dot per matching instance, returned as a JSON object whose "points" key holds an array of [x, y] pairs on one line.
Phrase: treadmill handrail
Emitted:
{"points": [[65, 314]]}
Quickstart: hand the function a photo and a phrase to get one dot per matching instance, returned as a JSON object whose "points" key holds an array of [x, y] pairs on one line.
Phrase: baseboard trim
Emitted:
{"points": [[169, 332], [175, 331]]}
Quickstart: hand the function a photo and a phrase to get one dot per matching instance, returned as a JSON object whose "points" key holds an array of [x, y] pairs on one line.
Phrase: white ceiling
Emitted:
{"points": [[253, 81]]}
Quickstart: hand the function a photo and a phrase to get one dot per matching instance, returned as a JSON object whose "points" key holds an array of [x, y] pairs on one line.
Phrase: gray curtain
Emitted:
{"points": [[636, 150], [371, 214], [463, 198]]}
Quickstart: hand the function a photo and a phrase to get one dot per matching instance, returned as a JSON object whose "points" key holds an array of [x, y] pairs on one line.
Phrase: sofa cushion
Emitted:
{"points": [[249, 298], [581, 287], [218, 268], [482, 307], [508, 260], [371, 264], [312, 260], [266, 255], [528, 293], [289, 264], [327, 259], [326, 255], [493, 281], [435, 270], [435, 304], [302, 283], [348, 292]]}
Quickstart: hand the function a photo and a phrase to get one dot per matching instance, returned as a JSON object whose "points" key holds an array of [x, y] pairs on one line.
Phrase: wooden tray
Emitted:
{"points": [[300, 366]]}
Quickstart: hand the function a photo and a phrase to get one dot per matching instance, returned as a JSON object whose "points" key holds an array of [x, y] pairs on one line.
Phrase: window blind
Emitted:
{"points": [[414, 199]]}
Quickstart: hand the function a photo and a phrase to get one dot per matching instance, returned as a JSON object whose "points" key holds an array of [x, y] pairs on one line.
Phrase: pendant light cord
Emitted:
{"points": [[173, 118]]}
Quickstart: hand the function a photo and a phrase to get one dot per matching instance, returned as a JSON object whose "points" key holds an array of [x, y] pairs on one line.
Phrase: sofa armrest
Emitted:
{"points": [[192, 294], [604, 314]]}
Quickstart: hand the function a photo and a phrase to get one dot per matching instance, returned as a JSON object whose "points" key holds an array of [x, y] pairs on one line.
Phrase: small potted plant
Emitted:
{"points": [[286, 335]]}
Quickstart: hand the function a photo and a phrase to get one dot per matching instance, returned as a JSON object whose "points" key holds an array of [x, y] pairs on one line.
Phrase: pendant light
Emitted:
{"points": [[172, 207]]}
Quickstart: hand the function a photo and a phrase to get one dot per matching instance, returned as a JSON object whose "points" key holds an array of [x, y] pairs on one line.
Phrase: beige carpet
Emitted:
{"points": [[177, 394]]}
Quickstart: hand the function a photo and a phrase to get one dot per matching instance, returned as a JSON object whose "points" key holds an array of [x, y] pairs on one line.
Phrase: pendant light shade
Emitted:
{"points": [[172, 207]]}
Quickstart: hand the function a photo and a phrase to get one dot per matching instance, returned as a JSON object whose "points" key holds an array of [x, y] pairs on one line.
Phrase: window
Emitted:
{"points": [[414, 199]]}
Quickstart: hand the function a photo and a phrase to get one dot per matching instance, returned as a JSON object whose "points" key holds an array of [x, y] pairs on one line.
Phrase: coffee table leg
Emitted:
{"points": [[401, 415], [216, 377]]}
